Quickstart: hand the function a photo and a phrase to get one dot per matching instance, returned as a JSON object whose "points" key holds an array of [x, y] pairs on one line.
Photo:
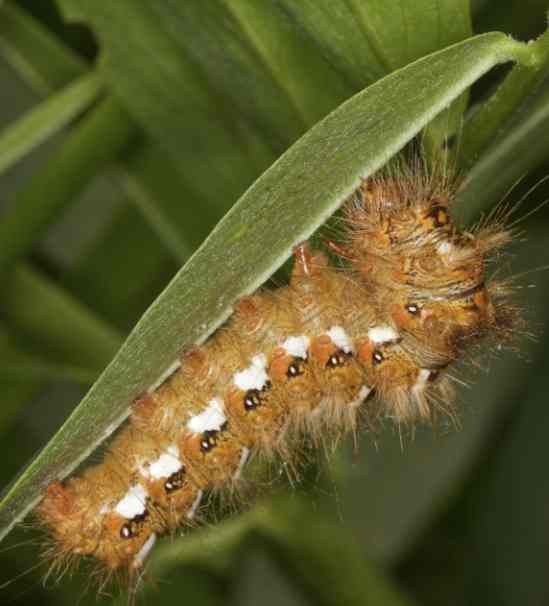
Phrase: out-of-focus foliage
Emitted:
{"points": [[196, 99]]}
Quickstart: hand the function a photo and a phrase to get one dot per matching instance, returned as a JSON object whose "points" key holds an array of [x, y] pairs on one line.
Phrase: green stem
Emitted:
{"points": [[532, 62]]}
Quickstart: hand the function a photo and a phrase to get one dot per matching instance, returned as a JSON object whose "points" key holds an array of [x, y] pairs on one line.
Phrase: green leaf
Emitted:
{"points": [[505, 131], [170, 96], [400, 34], [283, 207], [239, 81], [39, 347], [152, 179], [46, 64], [21, 367], [245, 45], [14, 393], [50, 116], [34, 52], [59, 326], [325, 559], [106, 276], [367, 40], [195, 52], [158, 187], [519, 148], [89, 147], [487, 122]]}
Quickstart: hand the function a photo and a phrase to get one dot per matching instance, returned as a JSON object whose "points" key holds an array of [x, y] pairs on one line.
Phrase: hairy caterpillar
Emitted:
{"points": [[367, 340]]}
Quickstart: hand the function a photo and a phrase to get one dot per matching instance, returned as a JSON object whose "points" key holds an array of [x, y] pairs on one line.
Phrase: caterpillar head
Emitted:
{"points": [[445, 324], [439, 295], [396, 216]]}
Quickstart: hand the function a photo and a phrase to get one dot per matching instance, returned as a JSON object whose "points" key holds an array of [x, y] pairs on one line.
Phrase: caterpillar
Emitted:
{"points": [[371, 335]]}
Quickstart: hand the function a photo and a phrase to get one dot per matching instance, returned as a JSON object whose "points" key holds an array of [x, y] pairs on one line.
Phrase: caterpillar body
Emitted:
{"points": [[369, 338]]}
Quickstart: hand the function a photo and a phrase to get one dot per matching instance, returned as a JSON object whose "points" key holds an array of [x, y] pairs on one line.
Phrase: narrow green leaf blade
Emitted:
{"points": [[520, 147], [245, 45], [94, 143], [89, 343], [22, 368], [15, 394], [161, 86], [487, 123], [34, 52], [50, 116], [283, 207], [325, 558], [366, 40]]}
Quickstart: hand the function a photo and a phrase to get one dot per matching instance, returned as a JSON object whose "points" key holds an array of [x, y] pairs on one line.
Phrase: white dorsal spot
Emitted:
{"points": [[163, 467], [133, 502], [341, 338], [253, 377], [296, 346], [382, 334], [212, 418]]}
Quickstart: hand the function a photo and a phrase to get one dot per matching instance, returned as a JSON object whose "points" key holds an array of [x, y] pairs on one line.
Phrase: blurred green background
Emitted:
{"points": [[125, 175]]}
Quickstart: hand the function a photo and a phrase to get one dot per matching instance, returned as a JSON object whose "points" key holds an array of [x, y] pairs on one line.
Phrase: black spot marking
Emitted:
{"points": [[256, 397], [175, 481], [133, 527], [296, 368], [377, 357], [413, 309], [439, 215], [209, 440], [140, 518], [433, 375], [252, 399], [337, 359]]}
